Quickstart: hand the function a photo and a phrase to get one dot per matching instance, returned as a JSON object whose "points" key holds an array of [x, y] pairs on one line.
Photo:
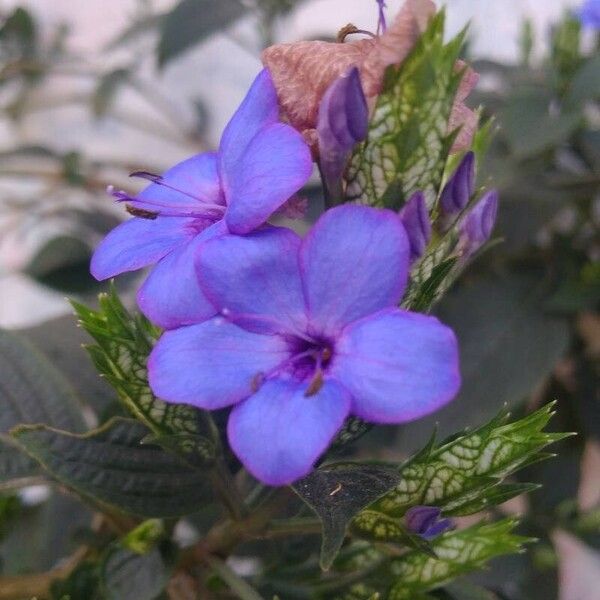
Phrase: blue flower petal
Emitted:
{"points": [[274, 166], [138, 243], [354, 262], [398, 366], [255, 280], [259, 109], [171, 296], [279, 433], [213, 364], [184, 187]]}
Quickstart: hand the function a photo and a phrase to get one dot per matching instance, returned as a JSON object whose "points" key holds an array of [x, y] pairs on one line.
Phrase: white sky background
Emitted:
{"points": [[219, 72]]}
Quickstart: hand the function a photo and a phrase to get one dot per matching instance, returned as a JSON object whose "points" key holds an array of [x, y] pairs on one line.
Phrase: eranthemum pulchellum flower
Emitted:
{"points": [[309, 333], [260, 164]]}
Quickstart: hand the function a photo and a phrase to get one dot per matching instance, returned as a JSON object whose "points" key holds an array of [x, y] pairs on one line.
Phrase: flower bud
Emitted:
{"points": [[343, 122], [477, 225], [425, 521], [415, 218], [460, 187]]}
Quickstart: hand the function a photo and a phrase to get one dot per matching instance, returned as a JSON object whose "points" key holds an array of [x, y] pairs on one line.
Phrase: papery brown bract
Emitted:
{"points": [[303, 71]]}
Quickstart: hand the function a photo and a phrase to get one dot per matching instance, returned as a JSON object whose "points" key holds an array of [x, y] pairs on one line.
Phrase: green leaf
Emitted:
{"points": [[31, 391], [353, 429], [337, 493], [408, 141], [529, 125], [112, 466], [457, 553], [501, 326], [191, 21], [123, 342], [144, 537], [463, 590], [106, 90], [127, 575], [428, 282], [585, 84], [62, 263], [18, 35], [461, 476], [83, 582]]}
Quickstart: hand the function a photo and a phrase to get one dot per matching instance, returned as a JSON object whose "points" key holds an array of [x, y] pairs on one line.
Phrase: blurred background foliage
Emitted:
{"points": [[526, 312]]}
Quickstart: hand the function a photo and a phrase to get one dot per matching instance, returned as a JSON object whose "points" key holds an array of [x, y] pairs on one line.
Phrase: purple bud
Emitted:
{"points": [[415, 218], [426, 521], [343, 122], [477, 225], [460, 187]]}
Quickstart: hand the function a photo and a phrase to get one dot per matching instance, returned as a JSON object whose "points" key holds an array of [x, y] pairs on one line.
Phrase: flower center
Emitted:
{"points": [[309, 362]]}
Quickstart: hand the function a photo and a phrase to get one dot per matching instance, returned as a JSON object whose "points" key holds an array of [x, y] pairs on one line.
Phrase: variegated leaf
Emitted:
{"points": [[463, 475], [408, 141], [123, 342], [456, 554]]}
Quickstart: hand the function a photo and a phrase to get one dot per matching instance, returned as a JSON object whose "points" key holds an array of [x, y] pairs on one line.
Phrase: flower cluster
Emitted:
{"points": [[294, 335]]}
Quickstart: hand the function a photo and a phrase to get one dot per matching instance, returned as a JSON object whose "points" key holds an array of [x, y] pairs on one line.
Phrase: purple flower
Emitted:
{"points": [[589, 14], [259, 165], [308, 334], [415, 218], [477, 225], [343, 122], [425, 521], [458, 190]]}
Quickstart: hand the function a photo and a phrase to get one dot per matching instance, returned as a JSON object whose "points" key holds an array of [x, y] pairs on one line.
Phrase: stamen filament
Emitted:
{"points": [[158, 180]]}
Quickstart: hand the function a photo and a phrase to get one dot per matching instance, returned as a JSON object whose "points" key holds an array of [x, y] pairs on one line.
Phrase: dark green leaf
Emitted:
{"points": [[106, 90], [18, 36], [61, 343], [585, 84], [82, 583], [191, 21], [463, 590], [337, 493], [62, 263], [111, 466], [529, 125], [126, 575], [31, 391], [507, 346]]}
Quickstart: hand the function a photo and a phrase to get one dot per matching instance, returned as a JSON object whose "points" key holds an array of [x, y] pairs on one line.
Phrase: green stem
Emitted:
{"points": [[295, 526], [239, 586]]}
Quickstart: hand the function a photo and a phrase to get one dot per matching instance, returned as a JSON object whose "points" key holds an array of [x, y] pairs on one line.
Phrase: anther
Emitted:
{"points": [[147, 175], [140, 212], [315, 385]]}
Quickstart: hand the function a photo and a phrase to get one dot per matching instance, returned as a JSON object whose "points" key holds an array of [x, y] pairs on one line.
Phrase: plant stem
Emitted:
{"points": [[239, 586], [296, 526], [227, 490]]}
